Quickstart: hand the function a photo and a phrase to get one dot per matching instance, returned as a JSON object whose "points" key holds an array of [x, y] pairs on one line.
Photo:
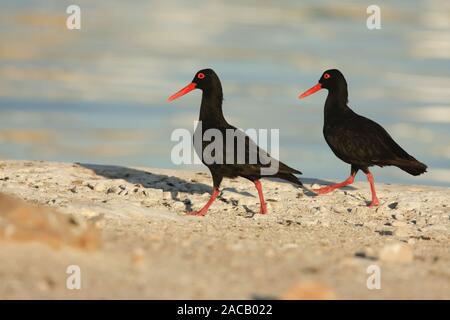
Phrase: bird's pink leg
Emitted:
{"points": [[204, 210], [375, 201], [333, 187], [258, 186]]}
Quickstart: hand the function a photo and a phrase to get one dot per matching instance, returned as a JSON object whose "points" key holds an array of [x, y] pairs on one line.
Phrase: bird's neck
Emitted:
{"points": [[211, 108], [336, 103]]}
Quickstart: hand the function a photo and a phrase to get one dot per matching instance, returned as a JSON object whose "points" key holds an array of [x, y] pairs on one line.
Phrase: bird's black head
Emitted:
{"points": [[332, 79], [205, 80]]}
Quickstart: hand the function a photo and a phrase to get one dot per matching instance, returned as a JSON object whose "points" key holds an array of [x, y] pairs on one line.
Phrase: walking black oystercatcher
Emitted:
{"points": [[211, 117], [356, 140]]}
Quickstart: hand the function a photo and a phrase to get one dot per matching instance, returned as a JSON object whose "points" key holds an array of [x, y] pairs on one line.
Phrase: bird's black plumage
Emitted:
{"points": [[212, 118], [355, 139], [358, 140]]}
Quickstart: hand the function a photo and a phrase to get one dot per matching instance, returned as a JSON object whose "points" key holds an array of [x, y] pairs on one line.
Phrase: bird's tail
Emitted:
{"points": [[289, 177], [412, 166]]}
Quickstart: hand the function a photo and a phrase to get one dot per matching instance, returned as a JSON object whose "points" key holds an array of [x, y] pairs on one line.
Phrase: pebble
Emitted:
{"points": [[366, 253], [393, 205], [339, 209], [112, 189], [178, 206], [310, 223], [73, 189]]}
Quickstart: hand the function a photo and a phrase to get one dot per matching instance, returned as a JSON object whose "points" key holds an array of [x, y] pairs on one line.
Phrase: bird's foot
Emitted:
{"points": [[374, 203], [199, 213], [324, 190]]}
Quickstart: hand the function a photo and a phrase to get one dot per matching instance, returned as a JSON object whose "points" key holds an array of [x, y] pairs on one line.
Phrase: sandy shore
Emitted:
{"points": [[126, 230]]}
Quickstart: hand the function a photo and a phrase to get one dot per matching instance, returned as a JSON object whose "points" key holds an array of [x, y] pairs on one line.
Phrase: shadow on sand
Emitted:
{"points": [[174, 185], [148, 179]]}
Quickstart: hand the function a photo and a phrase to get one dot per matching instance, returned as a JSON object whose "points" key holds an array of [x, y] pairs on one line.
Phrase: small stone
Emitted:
{"points": [[339, 209], [369, 252], [393, 205], [310, 222], [178, 205], [73, 189], [396, 252], [112, 189]]}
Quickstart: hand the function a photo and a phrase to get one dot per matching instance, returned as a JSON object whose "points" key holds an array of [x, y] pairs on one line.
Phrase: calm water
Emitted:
{"points": [[98, 94]]}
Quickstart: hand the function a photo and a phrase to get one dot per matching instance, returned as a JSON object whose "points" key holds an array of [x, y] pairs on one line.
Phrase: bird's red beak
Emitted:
{"points": [[182, 92], [310, 91]]}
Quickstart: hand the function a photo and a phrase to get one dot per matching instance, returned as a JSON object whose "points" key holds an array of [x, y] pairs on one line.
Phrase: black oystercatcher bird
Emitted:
{"points": [[211, 117], [356, 140]]}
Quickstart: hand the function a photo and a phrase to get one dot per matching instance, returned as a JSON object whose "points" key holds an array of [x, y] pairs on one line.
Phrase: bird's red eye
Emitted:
{"points": [[326, 76], [201, 75]]}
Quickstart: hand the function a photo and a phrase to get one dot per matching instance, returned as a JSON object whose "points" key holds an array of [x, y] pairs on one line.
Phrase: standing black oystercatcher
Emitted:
{"points": [[211, 117], [354, 139]]}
